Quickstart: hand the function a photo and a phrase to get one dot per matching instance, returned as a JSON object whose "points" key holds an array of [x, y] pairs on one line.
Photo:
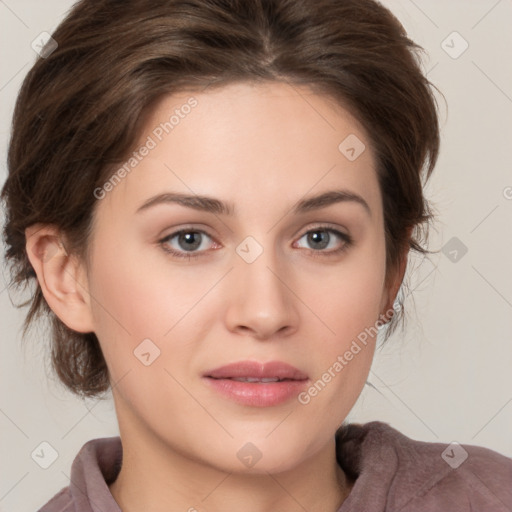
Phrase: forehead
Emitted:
{"points": [[271, 139]]}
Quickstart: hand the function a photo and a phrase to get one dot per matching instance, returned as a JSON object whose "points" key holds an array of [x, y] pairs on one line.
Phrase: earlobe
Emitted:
{"points": [[392, 290], [60, 276]]}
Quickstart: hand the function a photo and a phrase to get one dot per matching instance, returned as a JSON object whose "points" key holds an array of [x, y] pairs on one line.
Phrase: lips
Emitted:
{"points": [[255, 384], [253, 371]]}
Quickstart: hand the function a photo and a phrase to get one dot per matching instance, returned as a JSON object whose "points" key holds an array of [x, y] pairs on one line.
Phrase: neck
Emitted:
{"points": [[156, 477]]}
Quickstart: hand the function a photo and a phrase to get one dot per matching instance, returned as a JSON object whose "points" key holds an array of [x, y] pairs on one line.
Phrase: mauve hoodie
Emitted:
{"points": [[393, 474]]}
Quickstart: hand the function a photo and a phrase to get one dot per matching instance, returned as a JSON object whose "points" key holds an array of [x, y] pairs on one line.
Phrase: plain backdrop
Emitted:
{"points": [[448, 376]]}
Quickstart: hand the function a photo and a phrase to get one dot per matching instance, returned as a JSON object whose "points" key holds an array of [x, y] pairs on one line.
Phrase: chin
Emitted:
{"points": [[258, 457]]}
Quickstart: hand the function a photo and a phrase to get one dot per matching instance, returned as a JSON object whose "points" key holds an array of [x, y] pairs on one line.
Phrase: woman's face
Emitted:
{"points": [[259, 273]]}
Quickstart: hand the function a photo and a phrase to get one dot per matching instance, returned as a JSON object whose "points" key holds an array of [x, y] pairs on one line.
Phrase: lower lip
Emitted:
{"points": [[257, 394]]}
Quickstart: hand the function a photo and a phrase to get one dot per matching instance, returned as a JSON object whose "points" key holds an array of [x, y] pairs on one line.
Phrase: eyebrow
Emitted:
{"points": [[217, 207]]}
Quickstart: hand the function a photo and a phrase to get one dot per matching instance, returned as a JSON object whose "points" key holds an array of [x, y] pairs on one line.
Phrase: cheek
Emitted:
{"points": [[350, 295], [134, 300], [139, 296], [349, 305], [124, 304]]}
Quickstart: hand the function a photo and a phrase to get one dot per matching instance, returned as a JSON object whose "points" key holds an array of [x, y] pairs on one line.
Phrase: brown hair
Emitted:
{"points": [[79, 111]]}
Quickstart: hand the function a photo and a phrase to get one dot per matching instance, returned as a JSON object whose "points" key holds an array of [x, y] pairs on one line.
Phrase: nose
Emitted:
{"points": [[261, 299]]}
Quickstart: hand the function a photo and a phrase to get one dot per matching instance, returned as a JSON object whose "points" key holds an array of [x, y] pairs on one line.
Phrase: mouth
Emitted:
{"points": [[257, 384], [254, 371], [253, 379]]}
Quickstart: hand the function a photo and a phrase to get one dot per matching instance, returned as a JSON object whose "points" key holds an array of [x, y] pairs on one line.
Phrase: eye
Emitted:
{"points": [[324, 237], [188, 243]]}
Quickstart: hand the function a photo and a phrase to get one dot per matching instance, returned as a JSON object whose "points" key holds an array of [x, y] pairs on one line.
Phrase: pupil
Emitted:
{"points": [[189, 237], [320, 237]]}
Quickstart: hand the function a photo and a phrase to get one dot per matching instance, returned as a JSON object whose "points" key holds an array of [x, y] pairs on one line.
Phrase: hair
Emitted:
{"points": [[81, 107]]}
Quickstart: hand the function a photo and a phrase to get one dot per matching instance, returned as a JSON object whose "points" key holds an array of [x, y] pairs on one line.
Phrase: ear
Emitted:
{"points": [[394, 285], [62, 277]]}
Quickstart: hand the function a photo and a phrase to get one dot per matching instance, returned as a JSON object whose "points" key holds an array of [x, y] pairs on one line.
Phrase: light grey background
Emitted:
{"points": [[448, 376]]}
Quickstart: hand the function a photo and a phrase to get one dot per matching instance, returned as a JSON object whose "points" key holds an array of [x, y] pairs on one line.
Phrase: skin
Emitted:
{"points": [[262, 147]]}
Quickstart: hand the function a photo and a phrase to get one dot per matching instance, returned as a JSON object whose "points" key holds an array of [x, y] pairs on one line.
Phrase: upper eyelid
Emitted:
{"points": [[320, 226], [325, 225]]}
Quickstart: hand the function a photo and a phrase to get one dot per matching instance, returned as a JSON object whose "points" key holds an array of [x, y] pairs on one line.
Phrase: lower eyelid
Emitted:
{"points": [[344, 237], [168, 238], [339, 234]]}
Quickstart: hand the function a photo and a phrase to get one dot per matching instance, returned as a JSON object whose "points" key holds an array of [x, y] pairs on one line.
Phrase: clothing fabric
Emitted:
{"points": [[392, 473]]}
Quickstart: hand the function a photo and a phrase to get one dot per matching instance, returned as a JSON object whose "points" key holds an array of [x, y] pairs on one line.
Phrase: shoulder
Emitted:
{"points": [[423, 476], [61, 502], [94, 467]]}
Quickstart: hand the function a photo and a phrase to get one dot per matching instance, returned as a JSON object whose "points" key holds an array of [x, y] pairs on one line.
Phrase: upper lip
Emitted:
{"points": [[255, 369]]}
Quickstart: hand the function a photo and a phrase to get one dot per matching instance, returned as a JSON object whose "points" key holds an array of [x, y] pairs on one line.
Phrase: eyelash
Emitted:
{"points": [[348, 242]]}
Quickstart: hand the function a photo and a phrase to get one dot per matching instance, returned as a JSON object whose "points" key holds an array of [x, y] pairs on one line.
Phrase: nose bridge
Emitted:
{"points": [[260, 300]]}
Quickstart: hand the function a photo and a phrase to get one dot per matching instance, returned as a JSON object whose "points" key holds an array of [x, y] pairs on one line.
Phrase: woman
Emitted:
{"points": [[217, 202]]}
